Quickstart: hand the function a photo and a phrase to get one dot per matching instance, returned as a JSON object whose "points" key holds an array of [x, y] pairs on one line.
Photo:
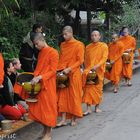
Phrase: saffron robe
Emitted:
{"points": [[45, 110], [129, 43], [116, 50], [96, 53], [70, 98]]}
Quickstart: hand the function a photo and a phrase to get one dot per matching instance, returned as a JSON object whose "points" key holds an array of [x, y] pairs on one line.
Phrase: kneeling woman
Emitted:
{"points": [[9, 107]]}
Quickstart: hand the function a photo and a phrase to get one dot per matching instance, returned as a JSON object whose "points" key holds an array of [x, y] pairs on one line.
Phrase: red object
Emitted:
{"points": [[11, 112], [139, 53]]}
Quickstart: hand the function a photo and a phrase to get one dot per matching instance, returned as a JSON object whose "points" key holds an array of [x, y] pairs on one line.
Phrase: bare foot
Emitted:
{"points": [[129, 83], [87, 113], [115, 90], [46, 137], [73, 123], [126, 81], [62, 123], [61, 86], [90, 83], [42, 134], [97, 110]]}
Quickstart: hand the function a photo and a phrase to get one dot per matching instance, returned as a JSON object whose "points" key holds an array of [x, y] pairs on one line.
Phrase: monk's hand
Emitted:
{"points": [[1, 86], [35, 80], [96, 67], [128, 50], [67, 70], [112, 62]]}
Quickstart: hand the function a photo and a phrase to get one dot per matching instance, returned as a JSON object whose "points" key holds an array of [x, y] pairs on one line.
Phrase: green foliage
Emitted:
{"points": [[15, 23], [12, 31], [18, 16], [7, 7], [129, 17], [6, 48]]}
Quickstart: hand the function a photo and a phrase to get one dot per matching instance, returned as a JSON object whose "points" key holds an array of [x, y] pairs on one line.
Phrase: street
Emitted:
{"points": [[120, 118]]}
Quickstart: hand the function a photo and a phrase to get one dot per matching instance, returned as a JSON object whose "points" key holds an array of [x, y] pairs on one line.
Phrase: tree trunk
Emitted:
{"points": [[88, 24], [33, 9], [107, 21], [77, 22]]}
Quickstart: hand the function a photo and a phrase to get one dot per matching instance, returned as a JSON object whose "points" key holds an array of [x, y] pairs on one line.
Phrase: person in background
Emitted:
{"points": [[121, 32], [28, 53]]}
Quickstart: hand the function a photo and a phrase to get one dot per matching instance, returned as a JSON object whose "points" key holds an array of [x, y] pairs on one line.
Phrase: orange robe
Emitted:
{"points": [[45, 110], [1, 69], [115, 53], [70, 98], [129, 43], [96, 53]]}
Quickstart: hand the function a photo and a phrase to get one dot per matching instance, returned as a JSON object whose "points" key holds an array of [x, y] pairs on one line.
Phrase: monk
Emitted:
{"points": [[70, 98], [1, 70], [129, 47], [45, 110], [95, 60], [115, 57]]}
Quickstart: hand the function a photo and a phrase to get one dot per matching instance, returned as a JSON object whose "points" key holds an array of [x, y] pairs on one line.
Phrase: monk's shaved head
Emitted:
{"points": [[95, 36], [96, 31], [68, 29], [39, 41], [38, 36], [67, 33], [115, 37]]}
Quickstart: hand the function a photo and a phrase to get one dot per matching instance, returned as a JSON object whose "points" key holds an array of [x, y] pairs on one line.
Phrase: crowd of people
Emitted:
{"points": [[44, 61]]}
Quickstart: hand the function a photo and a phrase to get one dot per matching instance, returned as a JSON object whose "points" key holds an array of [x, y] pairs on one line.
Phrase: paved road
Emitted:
{"points": [[120, 118]]}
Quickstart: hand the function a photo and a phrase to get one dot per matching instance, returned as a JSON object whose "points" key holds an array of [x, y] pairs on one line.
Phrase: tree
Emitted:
{"points": [[129, 17]]}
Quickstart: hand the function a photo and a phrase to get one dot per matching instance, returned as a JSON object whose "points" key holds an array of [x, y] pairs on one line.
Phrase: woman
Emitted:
{"points": [[9, 107]]}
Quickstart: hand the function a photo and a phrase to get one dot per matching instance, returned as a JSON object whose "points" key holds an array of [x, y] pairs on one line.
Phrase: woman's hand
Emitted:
{"points": [[128, 50], [35, 80], [16, 106]]}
